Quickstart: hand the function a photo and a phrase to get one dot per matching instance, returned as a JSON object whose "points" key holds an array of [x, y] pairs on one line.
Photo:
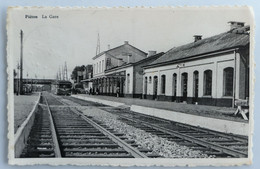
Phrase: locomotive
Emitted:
{"points": [[61, 87]]}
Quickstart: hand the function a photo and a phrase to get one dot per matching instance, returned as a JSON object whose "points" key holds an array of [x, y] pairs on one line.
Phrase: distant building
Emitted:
{"points": [[87, 75], [210, 71], [116, 71], [129, 77]]}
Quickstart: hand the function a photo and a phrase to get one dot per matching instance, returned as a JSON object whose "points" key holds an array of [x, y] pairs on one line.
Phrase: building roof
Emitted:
{"points": [[135, 63], [223, 41], [107, 51]]}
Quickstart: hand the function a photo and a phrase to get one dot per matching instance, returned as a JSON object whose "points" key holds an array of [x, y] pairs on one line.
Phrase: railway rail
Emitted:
{"points": [[211, 142], [66, 132]]}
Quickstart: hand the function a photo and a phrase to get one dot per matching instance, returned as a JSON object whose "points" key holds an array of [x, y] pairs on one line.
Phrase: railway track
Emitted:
{"points": [[213, 143], [74, 135], [42, 141], [210, 142]]}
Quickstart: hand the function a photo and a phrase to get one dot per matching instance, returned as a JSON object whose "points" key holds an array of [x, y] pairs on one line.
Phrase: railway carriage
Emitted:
{"points": [[61, 87]]}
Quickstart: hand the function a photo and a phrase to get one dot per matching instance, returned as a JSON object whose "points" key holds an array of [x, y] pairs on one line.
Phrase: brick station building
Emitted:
{"points": [[210, 71]]}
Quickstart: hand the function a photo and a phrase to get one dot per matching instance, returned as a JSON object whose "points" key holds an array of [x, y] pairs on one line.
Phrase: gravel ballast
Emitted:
{"points": [[158, 145]]}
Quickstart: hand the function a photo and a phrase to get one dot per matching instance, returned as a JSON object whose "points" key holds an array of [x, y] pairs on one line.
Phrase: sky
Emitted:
{"points": [[72, 36]]}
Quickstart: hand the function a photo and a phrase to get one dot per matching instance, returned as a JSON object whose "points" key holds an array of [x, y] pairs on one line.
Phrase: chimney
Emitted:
{"points": [[197, 37], [151, 52], [126, 43], [108, 47], [235, 25]]}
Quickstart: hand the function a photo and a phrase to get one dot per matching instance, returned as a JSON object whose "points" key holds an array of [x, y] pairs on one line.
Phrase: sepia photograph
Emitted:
{"points": [[169, 86]]}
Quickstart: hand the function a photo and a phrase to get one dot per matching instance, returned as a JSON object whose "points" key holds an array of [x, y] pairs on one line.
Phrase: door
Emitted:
{"points": [[184, 86], [155, 87], [196, 86]]}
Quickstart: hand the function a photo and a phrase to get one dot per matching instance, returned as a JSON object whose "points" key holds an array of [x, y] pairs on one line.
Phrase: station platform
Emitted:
{"points": [[211, 117], [23, 105]]}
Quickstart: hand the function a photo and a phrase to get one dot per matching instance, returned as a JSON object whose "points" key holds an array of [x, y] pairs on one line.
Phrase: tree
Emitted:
{"points": [[74, 73]]}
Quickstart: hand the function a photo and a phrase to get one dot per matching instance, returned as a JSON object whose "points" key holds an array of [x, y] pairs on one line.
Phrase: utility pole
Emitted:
{"points": [[59, 74], [66, 71], [62, 72], [21, 63], [18, 80]]}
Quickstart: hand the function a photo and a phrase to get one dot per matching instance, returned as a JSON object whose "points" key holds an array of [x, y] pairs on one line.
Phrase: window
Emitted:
{"points": [[108, 61], [174, 84], [145, 85], [128, 83], [155, 86], [102, 65], [196, 83], [150, 79], [228, 81], [207, 82], [99, 66], [184, 81], [163, 79]]}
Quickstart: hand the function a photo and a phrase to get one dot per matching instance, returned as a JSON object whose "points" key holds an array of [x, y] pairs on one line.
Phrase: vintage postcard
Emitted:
{"points": [[168, 86]]}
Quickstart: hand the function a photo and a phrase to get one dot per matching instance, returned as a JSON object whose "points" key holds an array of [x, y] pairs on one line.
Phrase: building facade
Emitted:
{"points": [[119, 72], [211, 71], [87, 75], [131, 75], [113, 84]]}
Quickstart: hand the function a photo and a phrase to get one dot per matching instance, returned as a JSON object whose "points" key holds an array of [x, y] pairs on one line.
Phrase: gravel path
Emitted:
{"points": [[159, 145], [23, 104]]}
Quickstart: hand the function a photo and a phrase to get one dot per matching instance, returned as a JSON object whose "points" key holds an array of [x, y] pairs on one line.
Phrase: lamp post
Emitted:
{"points": [[21, 63]]}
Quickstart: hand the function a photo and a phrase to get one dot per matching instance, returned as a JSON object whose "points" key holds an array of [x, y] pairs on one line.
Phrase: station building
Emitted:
{"points": [[119, 70], [211, 71]]}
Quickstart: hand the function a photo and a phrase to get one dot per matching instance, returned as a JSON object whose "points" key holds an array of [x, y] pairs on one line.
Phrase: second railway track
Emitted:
{"points": [[211, 142]]}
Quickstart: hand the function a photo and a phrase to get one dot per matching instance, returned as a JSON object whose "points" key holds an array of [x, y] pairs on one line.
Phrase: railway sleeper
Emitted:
{"points": [[91, 145], [87, 141], [83, 137], [46, 146], [80, 134], [99, 156], [116, 150]]}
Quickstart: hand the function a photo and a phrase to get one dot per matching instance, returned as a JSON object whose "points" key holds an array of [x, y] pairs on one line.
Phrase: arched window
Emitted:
{"points": [[208, 82], [174, 84], [155, 86], [128, 83], [228, 81], [102, 65], [163, 84], [184, 81], [196, 83], [145, 85], [150, 79]]}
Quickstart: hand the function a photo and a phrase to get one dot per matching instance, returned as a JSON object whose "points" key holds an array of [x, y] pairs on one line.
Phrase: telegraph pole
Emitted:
{"points": [[21, 64], [66, 72]]}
